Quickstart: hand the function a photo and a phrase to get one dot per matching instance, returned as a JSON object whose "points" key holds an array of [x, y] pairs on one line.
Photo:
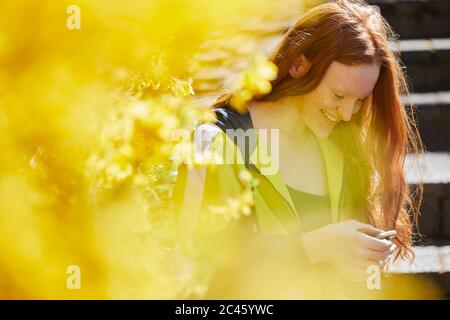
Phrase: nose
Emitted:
{"points": [[345, 112]]}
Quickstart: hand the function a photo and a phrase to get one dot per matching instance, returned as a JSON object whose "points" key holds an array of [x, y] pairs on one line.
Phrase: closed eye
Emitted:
{"points": [[338, 96]]}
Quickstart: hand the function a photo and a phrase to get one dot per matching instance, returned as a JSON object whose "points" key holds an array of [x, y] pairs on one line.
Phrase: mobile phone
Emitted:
{"points": [[387, 235]]}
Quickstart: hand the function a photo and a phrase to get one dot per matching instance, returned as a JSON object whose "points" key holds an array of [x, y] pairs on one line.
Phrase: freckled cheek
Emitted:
{"points": [[314, 101], [324, 103]]}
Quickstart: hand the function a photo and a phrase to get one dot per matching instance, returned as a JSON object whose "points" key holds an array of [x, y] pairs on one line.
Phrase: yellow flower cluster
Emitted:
{"points": [[254, 81]]}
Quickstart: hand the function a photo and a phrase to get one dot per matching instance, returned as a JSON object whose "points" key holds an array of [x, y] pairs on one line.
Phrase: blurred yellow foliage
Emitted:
{"points": [[86, 123], [253, 82]]}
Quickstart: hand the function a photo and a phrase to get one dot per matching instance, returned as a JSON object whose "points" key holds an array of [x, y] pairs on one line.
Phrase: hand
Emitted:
{"points": [[351, 246]]}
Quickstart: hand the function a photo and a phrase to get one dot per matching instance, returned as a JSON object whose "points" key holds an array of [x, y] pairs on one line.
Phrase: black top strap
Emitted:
{"points": [[229, 121]]}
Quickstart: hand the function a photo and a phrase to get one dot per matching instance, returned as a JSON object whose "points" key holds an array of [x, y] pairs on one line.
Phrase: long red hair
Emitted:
{"points": [[377, 139]]}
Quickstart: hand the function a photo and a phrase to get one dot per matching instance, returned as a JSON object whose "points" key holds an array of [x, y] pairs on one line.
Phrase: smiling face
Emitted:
{"points": [[339, 95]]}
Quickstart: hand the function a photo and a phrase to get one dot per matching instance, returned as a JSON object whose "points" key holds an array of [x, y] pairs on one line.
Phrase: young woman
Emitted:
{"points": [[342, 138]]}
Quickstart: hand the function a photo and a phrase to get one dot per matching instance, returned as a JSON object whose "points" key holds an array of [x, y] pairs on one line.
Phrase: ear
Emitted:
{"points": [[300, 67]]}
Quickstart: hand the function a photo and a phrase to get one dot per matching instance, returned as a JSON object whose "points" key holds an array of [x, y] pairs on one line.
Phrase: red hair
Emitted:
{"points": [[376, 140]]}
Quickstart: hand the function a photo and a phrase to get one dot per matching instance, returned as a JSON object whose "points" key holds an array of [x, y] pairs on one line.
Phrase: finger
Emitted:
{"points": [[372, 255], [367, 228], [370, 230], [374, 244], [391, 250], [375, 256]]}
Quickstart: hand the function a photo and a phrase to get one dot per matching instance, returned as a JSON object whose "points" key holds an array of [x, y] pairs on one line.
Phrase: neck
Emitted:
{"points": [[281, 114]]}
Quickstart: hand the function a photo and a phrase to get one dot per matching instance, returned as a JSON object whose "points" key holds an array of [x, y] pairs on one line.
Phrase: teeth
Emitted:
{"points": [[329, 116]]}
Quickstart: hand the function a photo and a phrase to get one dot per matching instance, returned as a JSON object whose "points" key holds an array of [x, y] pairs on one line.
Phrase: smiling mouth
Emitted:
{"points": [[329, 116]]}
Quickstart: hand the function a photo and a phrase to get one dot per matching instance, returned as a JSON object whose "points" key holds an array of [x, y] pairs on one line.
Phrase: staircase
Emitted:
{"points": [[424, 29]]}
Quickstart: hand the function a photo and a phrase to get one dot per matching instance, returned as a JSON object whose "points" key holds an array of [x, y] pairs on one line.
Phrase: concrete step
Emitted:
{"points": [[433, 170], [433, 116], [428, 259], [427, 63], [416, 18]]}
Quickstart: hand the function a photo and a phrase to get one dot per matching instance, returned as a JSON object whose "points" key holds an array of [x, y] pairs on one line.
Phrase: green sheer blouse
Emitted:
{"points": [[314, 210]]}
